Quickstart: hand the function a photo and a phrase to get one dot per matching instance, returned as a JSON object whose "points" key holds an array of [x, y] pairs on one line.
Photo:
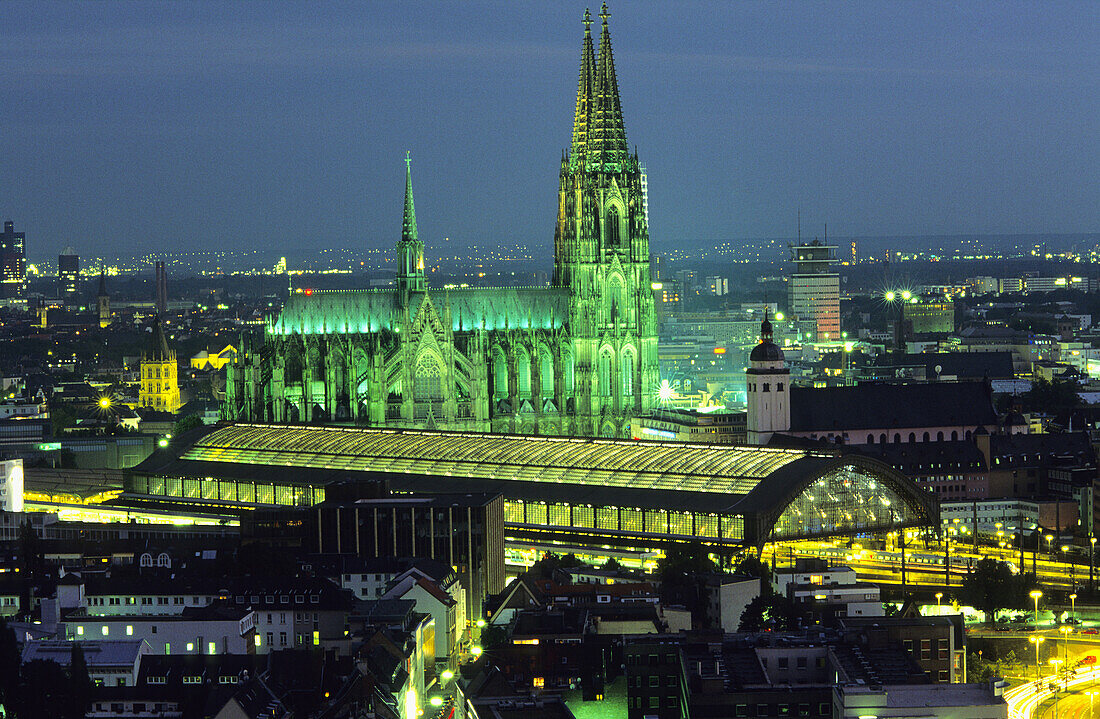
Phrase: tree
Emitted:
{"points": [[687, 559], [991, 586], [186, 424], [770, 611], [753, 567], [612, 565], [80, 684], [9, 665]]}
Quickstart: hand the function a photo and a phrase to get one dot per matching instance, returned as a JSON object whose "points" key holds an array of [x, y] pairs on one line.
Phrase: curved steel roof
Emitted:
{"points": [[612, 463]]}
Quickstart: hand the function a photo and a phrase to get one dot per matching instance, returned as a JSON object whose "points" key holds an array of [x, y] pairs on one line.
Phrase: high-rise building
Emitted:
{"points": [[13, 263], [576, 358], [814, 289], [162, 289], [160, 388], [68, 275]]}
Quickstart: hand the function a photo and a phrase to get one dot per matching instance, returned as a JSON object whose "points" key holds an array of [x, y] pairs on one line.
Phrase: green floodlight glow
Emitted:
{"points": [[162, 442], [447, 675], [481, 622], [664, 391], [476, 650], [436, 701]]}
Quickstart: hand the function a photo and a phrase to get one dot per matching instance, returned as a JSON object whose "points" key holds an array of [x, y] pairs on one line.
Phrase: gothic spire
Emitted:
{"points": [[607, 136], [585, 94], [408, 227], [158, 350]]}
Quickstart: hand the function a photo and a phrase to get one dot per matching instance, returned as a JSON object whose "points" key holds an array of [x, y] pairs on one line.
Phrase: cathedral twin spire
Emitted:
{"points": [[599, 137], [410, 250]]}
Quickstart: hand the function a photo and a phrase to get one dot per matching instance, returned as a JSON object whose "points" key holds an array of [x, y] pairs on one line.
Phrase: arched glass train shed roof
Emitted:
{"points": [[743, 495]]}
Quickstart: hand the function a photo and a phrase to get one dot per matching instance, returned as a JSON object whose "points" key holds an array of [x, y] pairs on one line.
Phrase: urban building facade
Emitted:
{"points": [[160, 388], [13, 263], [814, 290]]}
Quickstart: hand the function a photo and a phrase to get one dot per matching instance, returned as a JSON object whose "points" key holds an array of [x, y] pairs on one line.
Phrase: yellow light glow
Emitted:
{"points": [[778, 316], [436, 701], [105, 402], [476, 650]]}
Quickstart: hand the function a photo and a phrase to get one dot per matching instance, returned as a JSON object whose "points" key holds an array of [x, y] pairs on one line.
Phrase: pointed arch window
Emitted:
{"points": [[626, 372], [429, 380], [523, 373], [500, 373], [613, 226], [605, 374], [567, 372], [615, 300], [546, 372]]}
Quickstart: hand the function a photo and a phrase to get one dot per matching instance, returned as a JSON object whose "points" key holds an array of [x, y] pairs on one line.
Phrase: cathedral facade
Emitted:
{"points": [[576, 358]]}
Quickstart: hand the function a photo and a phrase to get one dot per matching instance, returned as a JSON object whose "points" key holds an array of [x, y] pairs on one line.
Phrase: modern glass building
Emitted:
{"points": [[580, 491]]}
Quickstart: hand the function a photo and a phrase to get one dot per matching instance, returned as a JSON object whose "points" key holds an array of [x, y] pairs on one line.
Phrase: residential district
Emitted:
{"points": [[839, 485]]}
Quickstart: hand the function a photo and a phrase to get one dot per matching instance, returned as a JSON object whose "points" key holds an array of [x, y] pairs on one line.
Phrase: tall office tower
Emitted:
{"points": [[855, 257], [13, 262], [162, 289], [814, 290], [68, 275]]}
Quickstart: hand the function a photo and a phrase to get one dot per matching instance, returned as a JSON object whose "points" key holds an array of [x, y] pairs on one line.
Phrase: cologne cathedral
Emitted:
{"points": [[576, 358]]}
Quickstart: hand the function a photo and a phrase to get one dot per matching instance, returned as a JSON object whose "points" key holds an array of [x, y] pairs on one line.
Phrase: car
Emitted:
{"points": [[1090, 630], [1088, 660], [1073, 620]]}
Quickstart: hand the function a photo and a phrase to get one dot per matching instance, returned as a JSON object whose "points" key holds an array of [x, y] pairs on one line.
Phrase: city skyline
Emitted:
{"points": [[273, 126]]}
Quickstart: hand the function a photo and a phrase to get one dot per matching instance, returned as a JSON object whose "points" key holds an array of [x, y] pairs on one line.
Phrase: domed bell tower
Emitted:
{"points": [[769, 408]]}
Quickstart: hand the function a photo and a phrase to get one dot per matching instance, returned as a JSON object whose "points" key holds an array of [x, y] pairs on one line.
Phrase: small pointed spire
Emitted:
{"points": [[586, 88], [607, 134], [408, 228], [766, 328]]}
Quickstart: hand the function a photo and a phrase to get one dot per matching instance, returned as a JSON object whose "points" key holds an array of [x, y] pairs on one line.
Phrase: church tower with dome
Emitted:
{"points": [[768, 391]]}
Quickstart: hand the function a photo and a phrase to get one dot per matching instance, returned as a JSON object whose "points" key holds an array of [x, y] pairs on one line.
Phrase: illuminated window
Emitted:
{"points": [[538, 682]]}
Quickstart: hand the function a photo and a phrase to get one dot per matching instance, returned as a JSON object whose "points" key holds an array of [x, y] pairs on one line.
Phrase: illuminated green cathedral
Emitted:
{"points": [[576, 358]]}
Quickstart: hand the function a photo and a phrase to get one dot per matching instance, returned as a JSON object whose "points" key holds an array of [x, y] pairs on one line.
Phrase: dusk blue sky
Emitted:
{"points": [[283, 126]]}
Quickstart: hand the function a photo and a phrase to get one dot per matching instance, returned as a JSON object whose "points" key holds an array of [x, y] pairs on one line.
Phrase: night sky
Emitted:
{"points": [[169, 126]]}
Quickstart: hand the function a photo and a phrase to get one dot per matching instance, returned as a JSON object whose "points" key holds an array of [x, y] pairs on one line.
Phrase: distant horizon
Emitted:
{"points": [[35, 258], [164, 126]]}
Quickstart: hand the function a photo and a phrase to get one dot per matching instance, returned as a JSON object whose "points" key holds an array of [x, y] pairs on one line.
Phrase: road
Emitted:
{"points": [[925, 565], [1075, 704]]}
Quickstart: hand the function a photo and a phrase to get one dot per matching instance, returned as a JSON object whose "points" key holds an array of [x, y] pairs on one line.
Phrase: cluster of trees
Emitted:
{"points": [[42, 688], [771, 610], [991, 586]]}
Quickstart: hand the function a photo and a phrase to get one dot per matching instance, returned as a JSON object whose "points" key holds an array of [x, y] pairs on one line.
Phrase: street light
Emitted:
{"points": [[1035, 594], [1037, 641], [939, 596], [1092, 555], [1073, 605], [1049, 538], [1066, 631]]}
